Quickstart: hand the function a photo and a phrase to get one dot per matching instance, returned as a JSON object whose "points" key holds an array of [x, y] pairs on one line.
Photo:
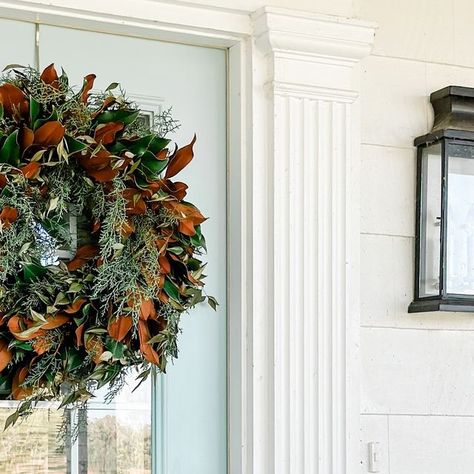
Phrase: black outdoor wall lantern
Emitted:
{"points": [[444, 269]]}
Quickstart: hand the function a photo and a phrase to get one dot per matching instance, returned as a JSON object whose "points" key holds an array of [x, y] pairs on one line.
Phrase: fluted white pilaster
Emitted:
{"points": [[310, 216]]}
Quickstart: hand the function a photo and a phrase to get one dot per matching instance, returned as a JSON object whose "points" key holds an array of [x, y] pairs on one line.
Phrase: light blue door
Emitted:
{"points": [[179, 425]]}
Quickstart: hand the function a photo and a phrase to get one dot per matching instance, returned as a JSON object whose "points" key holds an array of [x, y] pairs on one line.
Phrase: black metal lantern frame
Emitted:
{"points": [[444, 252]]}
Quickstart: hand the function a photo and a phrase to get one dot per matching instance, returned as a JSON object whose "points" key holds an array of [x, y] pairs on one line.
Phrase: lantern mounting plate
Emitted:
{"points": [[440, 304]]}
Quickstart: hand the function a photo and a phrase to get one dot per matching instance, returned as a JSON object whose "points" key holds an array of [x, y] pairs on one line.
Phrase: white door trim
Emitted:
{"points": [[293, 217]]}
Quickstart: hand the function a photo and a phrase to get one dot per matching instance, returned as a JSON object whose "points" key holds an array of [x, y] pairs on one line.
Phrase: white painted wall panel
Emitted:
{"points": [[463, 32], [431, 445], [417, 372], [420, 29], [394, 103], [388, 190], [386, 279]]}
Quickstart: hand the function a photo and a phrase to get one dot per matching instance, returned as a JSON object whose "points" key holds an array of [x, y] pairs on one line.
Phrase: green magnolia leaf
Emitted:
{"points": [[32, 271], [34, 110], [52, 118], [73, 145], [150, 166], [10, 151], [212, 302], [1, 112], [171, 290], [73, 358], [125, 116], [112, 86], [159, 338], [151, 142], [198, 239], [61, 299], [117, 148], [12, 419], [116, 348], [26, 346], [193, 264], [176, 250], [75, 288], [13, 66]]}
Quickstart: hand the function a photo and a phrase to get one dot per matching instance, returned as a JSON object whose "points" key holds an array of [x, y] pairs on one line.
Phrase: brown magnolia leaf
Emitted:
{"points": [[19, 392], [178, 190], [87, 86], [164, 264], [80, 335], [3, 180], [8, 215], [98, 161], [162, 154], [135, 203], [26, 137], [186, 211], [180, 159], [108, 101], [186, 227], [146, 349], [84, 253], [13, 99], [5, 354], [53, 322], [105, 175], [105, 133], [163, 297], [31, 170], [147, 309], [50, 76], [49, 134], [119, 327], [21, 330], [76, 306]]}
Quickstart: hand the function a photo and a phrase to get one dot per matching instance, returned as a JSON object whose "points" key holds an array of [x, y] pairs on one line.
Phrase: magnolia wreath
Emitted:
{"points": [[99, 250]]}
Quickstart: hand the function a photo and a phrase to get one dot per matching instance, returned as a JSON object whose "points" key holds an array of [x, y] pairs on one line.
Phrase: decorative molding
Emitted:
{"points": [[312, 92], [323, 36], [308, 65], [164, 20]]}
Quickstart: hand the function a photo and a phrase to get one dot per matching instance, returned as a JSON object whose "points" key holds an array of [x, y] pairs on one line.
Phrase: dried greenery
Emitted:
{"points": [[68, 324]]}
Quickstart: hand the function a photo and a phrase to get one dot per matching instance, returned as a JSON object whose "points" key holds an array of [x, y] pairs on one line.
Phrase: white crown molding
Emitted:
{"points": [[323, 36], [165, 20]]}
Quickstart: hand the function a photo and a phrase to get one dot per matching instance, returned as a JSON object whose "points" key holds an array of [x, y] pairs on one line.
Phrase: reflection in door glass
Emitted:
{"points": [[111, 438]]}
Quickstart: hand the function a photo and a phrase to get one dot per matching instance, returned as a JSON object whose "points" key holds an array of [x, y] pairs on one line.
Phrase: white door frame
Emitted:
{"points": [[293, 210]]}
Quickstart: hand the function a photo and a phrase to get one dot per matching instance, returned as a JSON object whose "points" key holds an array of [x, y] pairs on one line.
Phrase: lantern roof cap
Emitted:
{"points": [[453, 108]]}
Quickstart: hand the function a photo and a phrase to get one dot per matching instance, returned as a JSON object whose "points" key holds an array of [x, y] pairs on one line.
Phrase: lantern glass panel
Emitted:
{"points": [[430, 221], [460, 220]]}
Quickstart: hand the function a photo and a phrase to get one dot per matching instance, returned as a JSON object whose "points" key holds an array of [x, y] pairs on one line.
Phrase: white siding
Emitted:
{"points": [[418, 369]]}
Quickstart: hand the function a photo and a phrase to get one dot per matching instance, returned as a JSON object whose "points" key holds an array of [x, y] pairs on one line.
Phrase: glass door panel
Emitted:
{"points": [[187, 412]]}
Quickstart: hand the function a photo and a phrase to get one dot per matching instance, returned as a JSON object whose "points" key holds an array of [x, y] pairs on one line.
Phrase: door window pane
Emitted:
{"points": [[430, 231], [31, 446], [460, 249]]}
